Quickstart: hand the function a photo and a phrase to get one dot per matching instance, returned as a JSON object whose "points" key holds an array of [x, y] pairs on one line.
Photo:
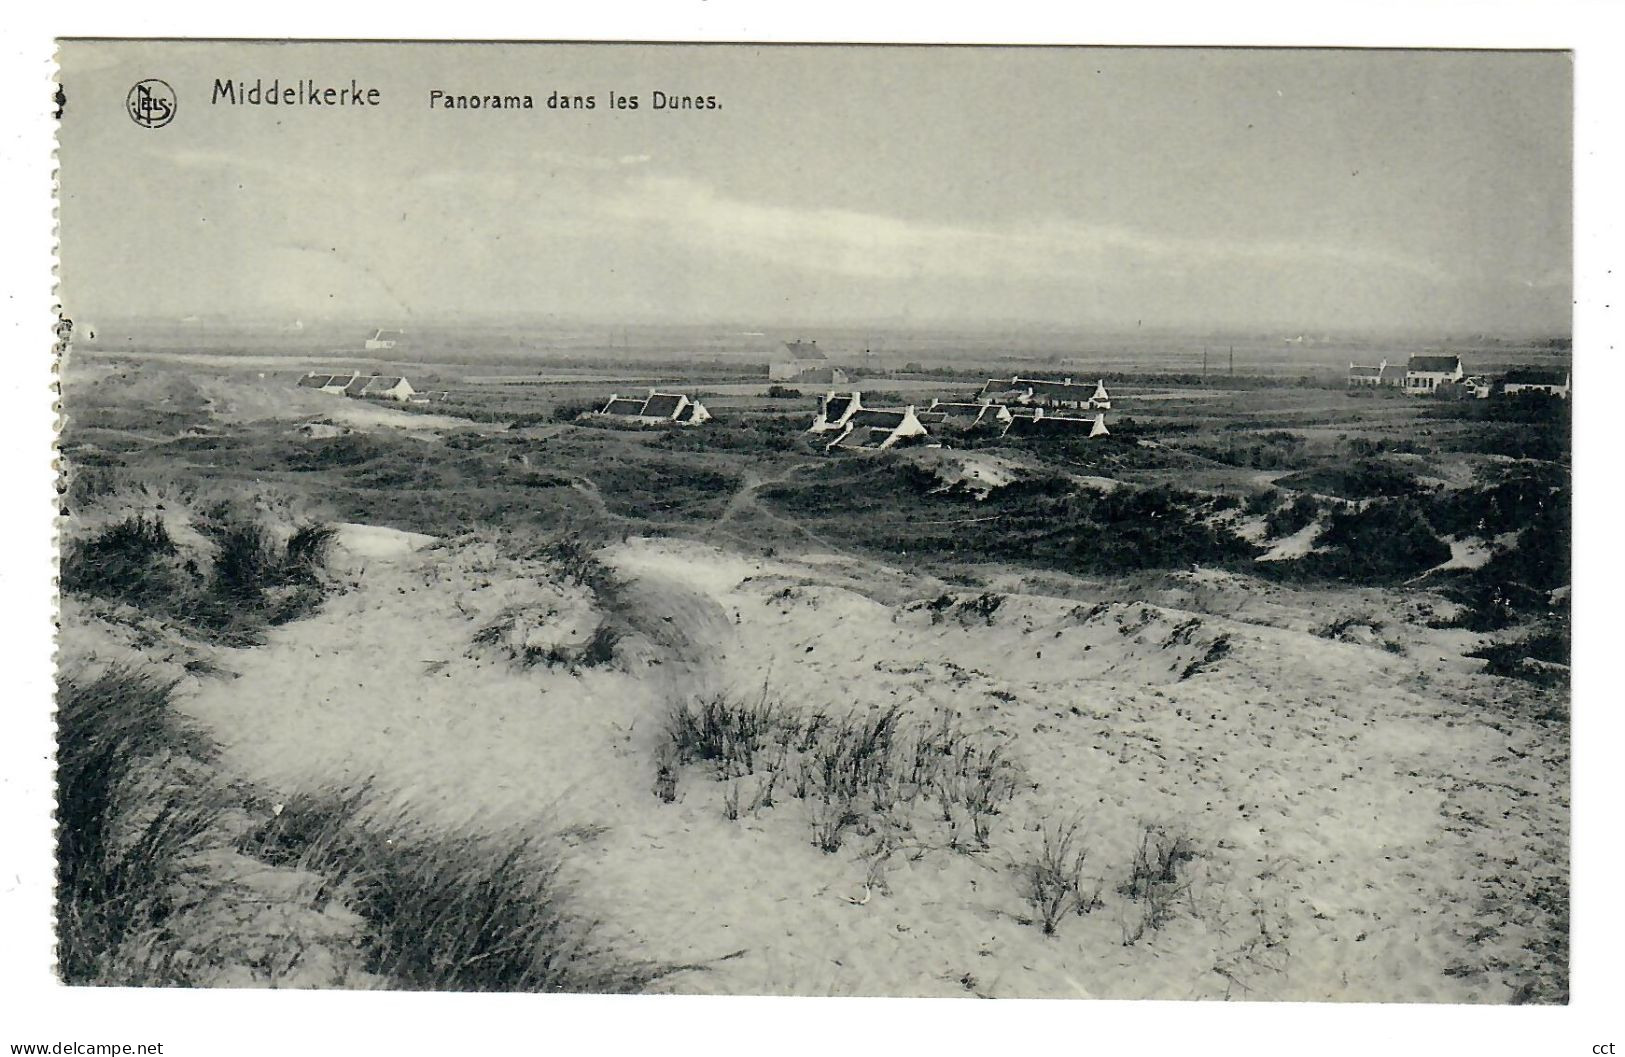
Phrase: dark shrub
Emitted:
{"points": [[1362, 479], [131, 561], [1385, 540], [1292, 517]]}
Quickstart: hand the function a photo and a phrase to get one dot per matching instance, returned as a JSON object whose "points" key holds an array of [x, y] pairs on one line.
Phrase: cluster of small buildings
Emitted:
{"points": [[1433, 375], [1025, 407], [1005, 407], [372, 386]]}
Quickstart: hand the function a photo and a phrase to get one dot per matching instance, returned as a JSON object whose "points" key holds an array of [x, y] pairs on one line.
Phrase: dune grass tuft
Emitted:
{"points": [[1053, 879], [125, 830], [469, 912]]}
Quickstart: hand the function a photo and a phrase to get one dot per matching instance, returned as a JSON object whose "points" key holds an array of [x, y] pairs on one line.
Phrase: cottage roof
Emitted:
{"points": [[836, 407], [878, 419], [1359, 371], [804, 350], [1537, 376], [357, 385], [662, 405], [1435, 364], [862, 437], [624, 406], [381, 383], [1059, 390], [315, 381], [959, 409], [687, 412], [1051, 424], [1392, 373]]}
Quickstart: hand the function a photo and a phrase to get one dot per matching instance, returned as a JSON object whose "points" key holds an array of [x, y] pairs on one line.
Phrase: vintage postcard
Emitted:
{"points": [[741, 519]]}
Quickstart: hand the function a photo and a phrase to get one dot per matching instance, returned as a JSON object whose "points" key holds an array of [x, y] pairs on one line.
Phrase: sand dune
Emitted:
{"points": [[1356, 810]]}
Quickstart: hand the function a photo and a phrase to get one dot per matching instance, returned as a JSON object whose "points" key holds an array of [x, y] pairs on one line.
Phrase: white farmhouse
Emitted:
{"points": [[383, 339], [386, 387], [656, 409], [1424, 374], [878, 429]]}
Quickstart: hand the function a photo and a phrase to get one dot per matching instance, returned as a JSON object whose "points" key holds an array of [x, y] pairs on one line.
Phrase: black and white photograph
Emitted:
{"points": [[816, 520]]}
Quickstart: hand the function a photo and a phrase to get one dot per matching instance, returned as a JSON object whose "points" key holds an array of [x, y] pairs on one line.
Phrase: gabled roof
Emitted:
{"points": [[861, 437], [1046, 388], [868, 418], [1052, 424], [835, 408], [386, 335], [623, 406], [1358, 371], [804, 350], [687, 412], [1435, 364], [662, 405], [1059, 390], [315, 381], [958, 409], [1394, 372], [357, 384], [1537, 376], [379, 383]]}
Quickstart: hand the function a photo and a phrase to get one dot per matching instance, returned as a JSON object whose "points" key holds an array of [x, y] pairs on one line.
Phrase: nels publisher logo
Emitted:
{"points": [[151, 103]]}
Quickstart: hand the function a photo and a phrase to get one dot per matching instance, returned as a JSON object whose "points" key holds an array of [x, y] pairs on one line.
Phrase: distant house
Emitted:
{"points": [[803, 361], [834, 410], [385, 387], [877, 429], [1553, 381], [656, 409], [1042, 423], [1366, 375], [1423, 374], [1044, 392], [383, 339], [967, 415]]}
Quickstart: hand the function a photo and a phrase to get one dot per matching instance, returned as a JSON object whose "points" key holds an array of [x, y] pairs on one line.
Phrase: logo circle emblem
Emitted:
{"points": [[151, 103]]}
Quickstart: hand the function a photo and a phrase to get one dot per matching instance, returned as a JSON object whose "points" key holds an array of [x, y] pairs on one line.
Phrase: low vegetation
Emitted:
{"points": [[470, 912], [1155, 880], [1054, 880], [244, 578], [862, 772], [130, 821]]}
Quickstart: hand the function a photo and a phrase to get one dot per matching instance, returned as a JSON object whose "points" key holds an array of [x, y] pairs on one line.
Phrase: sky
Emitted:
{"points": [[1307, 191]]}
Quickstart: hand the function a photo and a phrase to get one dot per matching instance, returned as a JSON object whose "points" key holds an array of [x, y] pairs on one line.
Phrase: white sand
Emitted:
{"points": [[1364, 804]]}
